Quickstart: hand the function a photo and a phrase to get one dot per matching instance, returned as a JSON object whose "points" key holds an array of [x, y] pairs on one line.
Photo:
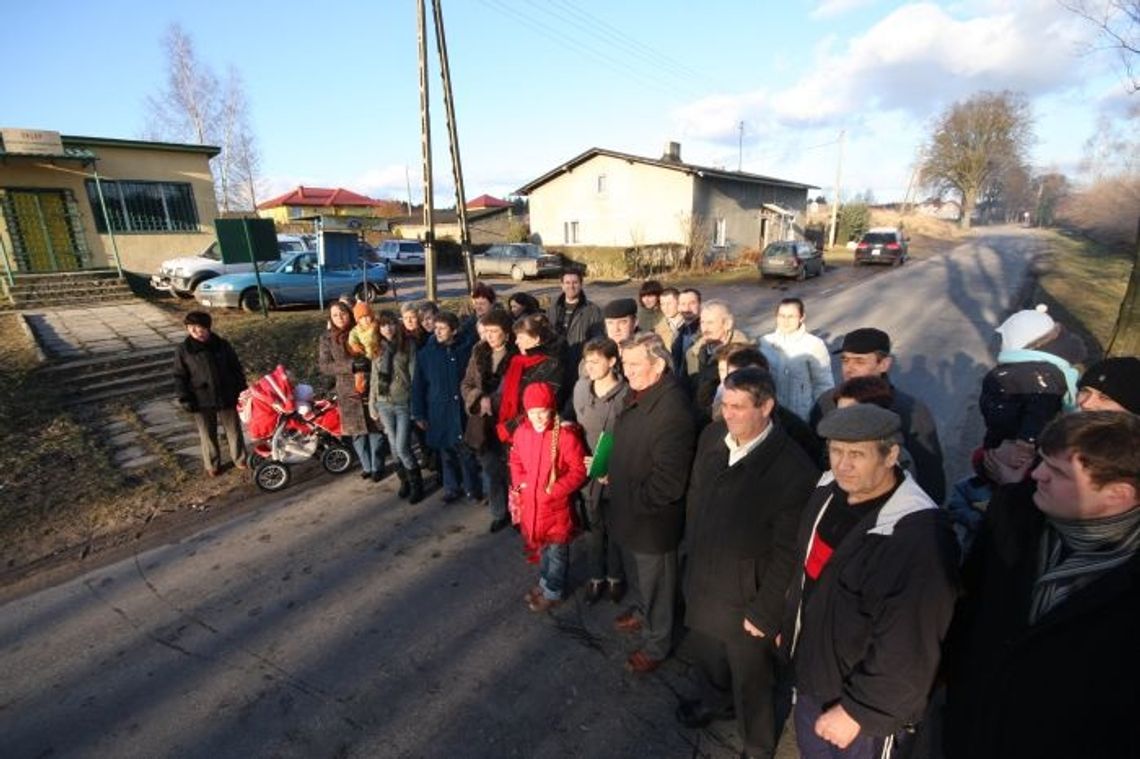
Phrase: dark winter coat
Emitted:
{"points": [[392, 372], [1018, 400], [334, 361], [585, 322], [547, 517], [597, 414], [654, 437], [741, 532], [920, 438], [551, 370], [1065, 688], [869, 636], [207, 375], [482, 380], [435, 392]]}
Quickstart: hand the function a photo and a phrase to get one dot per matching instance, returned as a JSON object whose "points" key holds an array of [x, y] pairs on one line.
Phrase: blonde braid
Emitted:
{"points": [[553, 454]]}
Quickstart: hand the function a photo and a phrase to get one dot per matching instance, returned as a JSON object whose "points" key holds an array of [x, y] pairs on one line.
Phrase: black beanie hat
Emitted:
{"points": [[1118, 378]]}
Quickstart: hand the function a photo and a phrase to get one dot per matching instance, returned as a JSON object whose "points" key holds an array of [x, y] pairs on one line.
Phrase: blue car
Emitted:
{"points": [[292, 281]]}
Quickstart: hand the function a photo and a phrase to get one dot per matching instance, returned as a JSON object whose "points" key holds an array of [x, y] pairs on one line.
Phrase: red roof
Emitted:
{"points": [[487, 201], [319, 196]]}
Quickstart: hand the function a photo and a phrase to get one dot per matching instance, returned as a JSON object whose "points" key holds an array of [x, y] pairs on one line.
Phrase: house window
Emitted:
{"points": [[720, 236], [569, 232], [601, 183], [296, 212], [144, 206]]}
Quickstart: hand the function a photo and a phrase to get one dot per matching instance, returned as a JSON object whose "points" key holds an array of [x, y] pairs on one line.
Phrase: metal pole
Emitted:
{"points": [[7, 264], [425, 143], [740, 150], [453, 141], [835, 200], [320, 264], [107, 220]]}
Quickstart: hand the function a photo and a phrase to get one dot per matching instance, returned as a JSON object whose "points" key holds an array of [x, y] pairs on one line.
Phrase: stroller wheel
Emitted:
{"points": [[336, 459], [253, 458], [271, 476]]}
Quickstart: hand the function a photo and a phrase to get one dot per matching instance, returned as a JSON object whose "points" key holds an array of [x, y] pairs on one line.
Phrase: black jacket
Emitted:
{"points": [[649, 468], [920, 438], [1067, 687], [741, 532], [207, 375], [585, 322], [870, 635]]}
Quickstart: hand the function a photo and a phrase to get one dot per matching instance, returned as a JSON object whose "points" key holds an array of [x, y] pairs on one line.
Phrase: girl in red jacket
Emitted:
{"points": [[547, 467]]}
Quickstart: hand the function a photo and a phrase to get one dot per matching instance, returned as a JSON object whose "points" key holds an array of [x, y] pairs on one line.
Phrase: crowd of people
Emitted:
{"points": [[794, 539]]}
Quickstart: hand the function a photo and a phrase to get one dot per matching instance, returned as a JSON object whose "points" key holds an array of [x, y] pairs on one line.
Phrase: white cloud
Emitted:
{"points": [[832, 8]]}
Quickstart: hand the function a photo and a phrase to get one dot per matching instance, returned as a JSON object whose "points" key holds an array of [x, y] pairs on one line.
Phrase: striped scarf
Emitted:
{"points": [[1075, 552]]}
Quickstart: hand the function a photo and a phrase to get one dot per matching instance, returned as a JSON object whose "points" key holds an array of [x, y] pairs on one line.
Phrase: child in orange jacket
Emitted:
{"points": [[547, 465]]}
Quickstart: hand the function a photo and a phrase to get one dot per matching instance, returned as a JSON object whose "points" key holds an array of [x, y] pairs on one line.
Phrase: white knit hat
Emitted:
{"points": [[1025, 327]]}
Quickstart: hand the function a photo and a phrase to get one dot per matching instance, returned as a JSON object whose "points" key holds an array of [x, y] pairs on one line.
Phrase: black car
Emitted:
{"points": [[882, 245]]}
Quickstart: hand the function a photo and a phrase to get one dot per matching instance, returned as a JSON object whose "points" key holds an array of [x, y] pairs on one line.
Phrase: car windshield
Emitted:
{"points": [[780, 249], [211, 252], [879, 238]]}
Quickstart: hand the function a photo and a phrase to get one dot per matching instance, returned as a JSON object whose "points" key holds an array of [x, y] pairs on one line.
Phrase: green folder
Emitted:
{"points": [[600, 466]]}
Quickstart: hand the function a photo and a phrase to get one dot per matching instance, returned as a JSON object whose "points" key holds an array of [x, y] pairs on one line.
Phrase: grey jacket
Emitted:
{"points": [[396, 388], [596, 414]]}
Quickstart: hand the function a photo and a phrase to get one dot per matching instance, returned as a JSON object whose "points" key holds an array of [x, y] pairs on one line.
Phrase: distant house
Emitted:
{"points": [[312, 201], [950, 210], [486, 226], [605, 198], [486, 201], [70, 203]]}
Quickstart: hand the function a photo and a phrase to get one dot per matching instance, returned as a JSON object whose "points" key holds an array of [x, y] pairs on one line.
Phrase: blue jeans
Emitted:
{"points": [[553, 564], [397, 421], [460, 470], [370, 449], [495, 476]]}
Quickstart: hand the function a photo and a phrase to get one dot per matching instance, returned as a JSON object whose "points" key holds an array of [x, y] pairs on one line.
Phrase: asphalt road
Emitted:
{"points": [[339, 622]]}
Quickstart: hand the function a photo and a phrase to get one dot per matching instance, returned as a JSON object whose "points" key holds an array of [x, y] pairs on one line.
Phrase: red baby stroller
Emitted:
{"points": [[287, 426]]}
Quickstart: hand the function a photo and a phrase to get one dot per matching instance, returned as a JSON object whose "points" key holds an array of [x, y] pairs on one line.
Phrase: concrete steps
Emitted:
{"points": [[66, 289], [127, 376]]}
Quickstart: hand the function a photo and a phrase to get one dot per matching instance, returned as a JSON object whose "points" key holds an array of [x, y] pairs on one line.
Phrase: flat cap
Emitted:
{"points": [[622, 307], [863, 421], [865, 340]]}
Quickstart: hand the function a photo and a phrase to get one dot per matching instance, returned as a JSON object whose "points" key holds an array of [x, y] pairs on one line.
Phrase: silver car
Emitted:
{"points": [[517, 260]]}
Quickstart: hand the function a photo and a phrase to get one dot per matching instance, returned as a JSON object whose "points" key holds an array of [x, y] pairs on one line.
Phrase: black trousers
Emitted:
{"points": [[743, 674]]}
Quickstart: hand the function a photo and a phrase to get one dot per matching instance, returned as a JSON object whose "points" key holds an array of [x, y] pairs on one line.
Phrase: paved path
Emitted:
{"points": [[96, 331], [341, 622]]}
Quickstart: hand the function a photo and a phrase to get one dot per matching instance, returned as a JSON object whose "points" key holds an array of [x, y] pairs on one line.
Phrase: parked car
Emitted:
{"points": [[791, 258], [401, 255], [181, 276], [517, 260], [882, 245], [292, 281]]}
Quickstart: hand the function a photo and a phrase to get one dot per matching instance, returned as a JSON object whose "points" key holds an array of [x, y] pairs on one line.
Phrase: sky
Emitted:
{"points": [[334, 90]]}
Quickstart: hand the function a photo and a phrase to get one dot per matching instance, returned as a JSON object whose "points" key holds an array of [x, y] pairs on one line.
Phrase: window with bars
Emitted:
{"points": [[144, 206]]}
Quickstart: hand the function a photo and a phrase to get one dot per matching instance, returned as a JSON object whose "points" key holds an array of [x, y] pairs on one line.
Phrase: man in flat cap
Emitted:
{"points": [[866, 352], [621, 319], [872, 596]]}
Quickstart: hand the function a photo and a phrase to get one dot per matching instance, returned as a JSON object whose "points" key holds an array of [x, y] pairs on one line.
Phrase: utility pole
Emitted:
{"points": [[453, 142], [740, 149], [425, 144], [408, 182], [835, 200]]}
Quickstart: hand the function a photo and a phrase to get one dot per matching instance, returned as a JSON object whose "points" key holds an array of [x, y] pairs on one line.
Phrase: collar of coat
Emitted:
{"points": [[197, 346], [908, 499]]}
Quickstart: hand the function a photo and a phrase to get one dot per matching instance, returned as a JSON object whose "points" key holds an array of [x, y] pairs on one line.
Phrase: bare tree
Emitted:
{"points": [[975, 143], [194, 107], [1118, 27], [696, 236]]}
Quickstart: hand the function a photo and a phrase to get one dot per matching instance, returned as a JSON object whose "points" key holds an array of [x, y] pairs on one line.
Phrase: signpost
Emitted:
{"points": [[252, 240]]}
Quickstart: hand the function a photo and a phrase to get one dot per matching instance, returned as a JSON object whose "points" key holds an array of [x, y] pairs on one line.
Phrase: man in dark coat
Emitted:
{"points": [[437, 407], [648, 475], [866, 352], [573, 317], [749, 484], [1043, 659], [872, 594], [208, 379]]}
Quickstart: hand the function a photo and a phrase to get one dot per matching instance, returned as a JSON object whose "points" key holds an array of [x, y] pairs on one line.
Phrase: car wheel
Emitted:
{"points": [[371, 294], [250, 301], [272, 476], [336, 459], [517, 274]]}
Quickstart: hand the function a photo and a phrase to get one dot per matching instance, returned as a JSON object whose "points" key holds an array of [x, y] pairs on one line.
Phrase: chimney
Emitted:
{"points": [[672, 152]]}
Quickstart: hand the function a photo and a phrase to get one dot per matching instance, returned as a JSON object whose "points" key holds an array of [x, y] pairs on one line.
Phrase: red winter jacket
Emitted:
{"points": [[546, 517]]}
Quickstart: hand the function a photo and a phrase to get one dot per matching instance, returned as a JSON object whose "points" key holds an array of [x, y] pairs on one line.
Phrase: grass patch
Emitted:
{"points": [[1083, 283]]}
